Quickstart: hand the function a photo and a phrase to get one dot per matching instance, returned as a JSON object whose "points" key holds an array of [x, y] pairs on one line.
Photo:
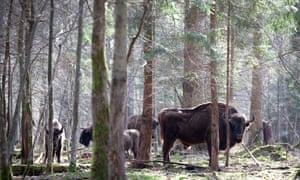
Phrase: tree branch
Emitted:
{"points": [[137, 34]]}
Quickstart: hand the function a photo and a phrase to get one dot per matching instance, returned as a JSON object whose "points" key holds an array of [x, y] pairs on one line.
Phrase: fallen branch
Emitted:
{"points": [[188, 166], [249, 152]]}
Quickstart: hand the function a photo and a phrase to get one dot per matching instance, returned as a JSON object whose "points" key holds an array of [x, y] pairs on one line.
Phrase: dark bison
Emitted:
{"points": [[86, 136], [135, 122], [192, 126], [131, 139], [58, 140]]}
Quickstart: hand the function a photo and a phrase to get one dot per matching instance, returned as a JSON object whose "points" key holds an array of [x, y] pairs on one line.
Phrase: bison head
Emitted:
{"points": [[238, 125], [86, 136], [57, 136]]}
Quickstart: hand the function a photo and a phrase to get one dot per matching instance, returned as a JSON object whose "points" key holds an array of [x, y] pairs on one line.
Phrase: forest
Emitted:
{"points": [[69, 67]]}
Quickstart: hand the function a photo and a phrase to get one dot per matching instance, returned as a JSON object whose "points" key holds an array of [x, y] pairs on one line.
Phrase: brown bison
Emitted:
{"points": [[135, 122], [131, 139], [58, 140], [192, 126]]}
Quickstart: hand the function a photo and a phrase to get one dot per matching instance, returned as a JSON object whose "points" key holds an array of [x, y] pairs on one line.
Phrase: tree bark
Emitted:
{"points": [[214, 96], [193, 60], [118, 94], [228, 82], [27, 148], [5, 166], [255, 136], [100, 106], [72, 165], [50, 92], [146, 126]]}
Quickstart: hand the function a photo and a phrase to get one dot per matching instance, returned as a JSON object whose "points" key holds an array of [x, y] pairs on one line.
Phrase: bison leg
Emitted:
{"points": [[58, 152], [167, 145], [58, 155]]}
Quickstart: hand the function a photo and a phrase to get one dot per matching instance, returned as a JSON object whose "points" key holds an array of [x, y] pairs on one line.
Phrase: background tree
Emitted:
{"points": [[50, 91], [118, 94], [214, 162], [255, 133], [27, 149], [145, 131], [99, 169], [72, 166], [194, 61], [5, 165]]}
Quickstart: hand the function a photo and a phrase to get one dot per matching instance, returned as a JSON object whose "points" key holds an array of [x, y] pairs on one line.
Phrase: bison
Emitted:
{"points": [[135, 122], [86, 136], [192, 126], [131, 139], [58, 140]]}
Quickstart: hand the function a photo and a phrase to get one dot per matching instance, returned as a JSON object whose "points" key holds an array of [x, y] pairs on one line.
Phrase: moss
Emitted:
{"points": [[6, 173], [99, 72], [72, 167], [268, 152], [100, 152]]}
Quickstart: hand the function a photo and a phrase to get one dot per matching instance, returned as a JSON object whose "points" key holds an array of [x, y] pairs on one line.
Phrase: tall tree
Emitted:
{"points": [[118, 94], [255, 132], [146, 132], [228, 82], [194, 24], [50, 91], [5, 166], [214, 163], [100, 106], [72, 166], [27, 148]]}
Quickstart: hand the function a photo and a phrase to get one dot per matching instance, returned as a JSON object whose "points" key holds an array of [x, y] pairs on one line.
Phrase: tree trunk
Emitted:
{"points": [[27, 148], [118, 94], [214, 96], [228, 82], [72, 166], [100, 106], [5, 166], [146, 126], [14, 123], [193, 59], [255, 136], [50, 92]]}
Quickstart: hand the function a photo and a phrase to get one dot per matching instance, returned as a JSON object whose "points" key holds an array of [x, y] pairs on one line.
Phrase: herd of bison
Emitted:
{"points": [[188, 125]]}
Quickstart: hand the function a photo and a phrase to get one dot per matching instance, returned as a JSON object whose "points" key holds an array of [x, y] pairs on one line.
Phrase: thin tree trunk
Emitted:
{"points": [[145, 131], [100, 106], [50, 92], [214, 96], [255, 136], [193, 24], [5, 166], [228, 88], [14, 123], [72, 166], [118, 94], [27, 148]]}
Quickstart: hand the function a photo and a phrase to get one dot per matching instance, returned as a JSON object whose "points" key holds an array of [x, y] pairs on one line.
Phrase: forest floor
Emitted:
{"points": [[275, 162]]}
